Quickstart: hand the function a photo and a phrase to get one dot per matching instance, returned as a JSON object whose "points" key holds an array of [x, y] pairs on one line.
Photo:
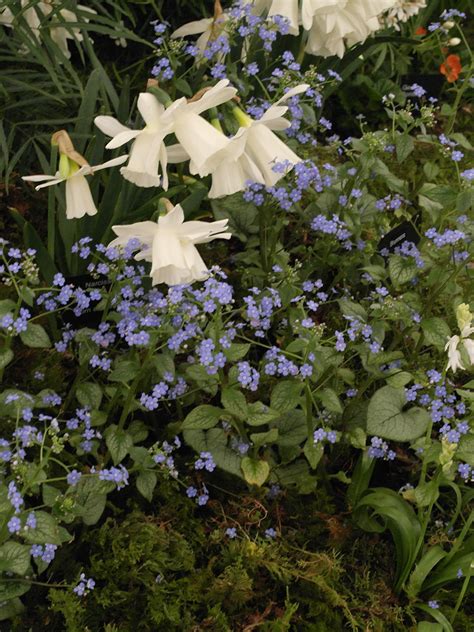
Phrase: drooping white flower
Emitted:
{"points": [[44, 14], [464, 318], [73, 169], [148, 152], [170, 245], [253, 152], [208, 29], [198, 138], [334, 23]]}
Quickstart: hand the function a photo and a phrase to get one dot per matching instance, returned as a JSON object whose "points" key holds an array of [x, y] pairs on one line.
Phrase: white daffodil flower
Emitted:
{"points": [[72, 169], [42, 13], [170, 245], [333, 23], [464, 318], [148, 152], [253, 152], [208, 29], [198, 138]]}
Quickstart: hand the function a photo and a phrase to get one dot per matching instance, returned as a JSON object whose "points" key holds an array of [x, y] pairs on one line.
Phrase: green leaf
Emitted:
{"points": [[146, 483], [330, 400], [124, 371], [437, 615], [464, 201], [387, 419], [442, 194], [313, 452], [426, 626], [465, 451], [398, 379], [91, 500], [50, 494], [202, 418], [426, 494], [118, 442], [242, 215], [6, 306], [423, 569], [351, 309], [401, 269], [46, 530], [14, 558], [35, 337], [264, 438], [404, 145], [259, 414], [204, 382], [255, 471], [236, 351], [292, 428], [6, 356], [89, 394], [215, 441], [12, 607], [286, 395], [234, 401], [164, 364], [390, 511], [436, 332]]}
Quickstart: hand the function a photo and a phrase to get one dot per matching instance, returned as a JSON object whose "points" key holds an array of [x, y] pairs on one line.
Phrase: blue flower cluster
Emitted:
{"points": [[379, 449]]}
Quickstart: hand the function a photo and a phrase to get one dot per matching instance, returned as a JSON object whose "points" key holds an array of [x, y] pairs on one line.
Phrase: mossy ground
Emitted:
{"points": [[170, 566]]}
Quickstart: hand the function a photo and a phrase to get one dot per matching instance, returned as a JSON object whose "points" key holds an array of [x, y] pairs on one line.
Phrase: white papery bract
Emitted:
{"points": [[252, 153], [79, 200], [334, 23], [170, 245], [198, 138]]}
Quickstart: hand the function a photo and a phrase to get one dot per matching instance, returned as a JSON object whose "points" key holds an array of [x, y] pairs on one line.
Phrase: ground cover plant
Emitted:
{"points": [[236, 316]]}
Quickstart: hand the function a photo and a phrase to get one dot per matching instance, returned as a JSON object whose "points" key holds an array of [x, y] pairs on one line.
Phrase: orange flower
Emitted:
{"points": [[451, 67], [421, 31]]}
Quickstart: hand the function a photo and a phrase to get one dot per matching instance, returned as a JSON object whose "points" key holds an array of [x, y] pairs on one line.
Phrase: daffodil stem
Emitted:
{"points": [[461, 594], [52, 208]]}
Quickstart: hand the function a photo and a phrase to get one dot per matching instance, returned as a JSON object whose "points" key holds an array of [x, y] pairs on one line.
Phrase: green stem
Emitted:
{"points": [[460, 539], [462, 593], [421, 539], [52, 208]]}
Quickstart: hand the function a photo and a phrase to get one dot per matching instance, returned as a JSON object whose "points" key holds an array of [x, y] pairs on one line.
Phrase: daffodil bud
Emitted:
{"points": [[241, 117], [454, 41]]}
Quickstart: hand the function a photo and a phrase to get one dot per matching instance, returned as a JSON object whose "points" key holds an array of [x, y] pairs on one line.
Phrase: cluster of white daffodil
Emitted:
{"points": [[44, 14], [330, 24], [249, 155]]}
